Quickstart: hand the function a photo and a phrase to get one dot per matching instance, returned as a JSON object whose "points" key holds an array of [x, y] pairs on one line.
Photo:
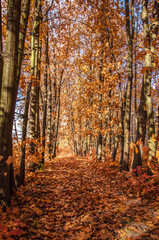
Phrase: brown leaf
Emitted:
{"points": [[9, 160], [16, 232]]}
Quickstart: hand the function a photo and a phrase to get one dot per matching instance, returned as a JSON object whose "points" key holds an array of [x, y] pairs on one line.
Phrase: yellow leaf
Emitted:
{"points": [[157, 155]]}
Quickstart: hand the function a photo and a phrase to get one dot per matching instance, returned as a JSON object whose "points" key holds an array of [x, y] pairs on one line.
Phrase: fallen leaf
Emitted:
{"points": [[16, 232]]}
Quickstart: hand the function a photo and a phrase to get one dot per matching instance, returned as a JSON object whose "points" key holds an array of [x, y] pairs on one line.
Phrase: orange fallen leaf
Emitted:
{"points": [[9, 160]]}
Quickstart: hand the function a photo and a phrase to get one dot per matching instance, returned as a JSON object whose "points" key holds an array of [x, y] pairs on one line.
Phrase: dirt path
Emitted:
{"points": [[74, 199]]}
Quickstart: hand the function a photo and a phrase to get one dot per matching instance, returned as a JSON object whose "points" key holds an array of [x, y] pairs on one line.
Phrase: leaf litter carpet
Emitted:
{"points": [[79, 198]]}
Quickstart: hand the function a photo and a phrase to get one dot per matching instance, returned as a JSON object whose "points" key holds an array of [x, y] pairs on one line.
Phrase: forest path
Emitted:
{"points": [[76, 198]]}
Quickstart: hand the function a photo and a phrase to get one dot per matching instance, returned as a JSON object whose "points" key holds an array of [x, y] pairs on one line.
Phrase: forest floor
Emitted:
{"points": [[80, 198]]}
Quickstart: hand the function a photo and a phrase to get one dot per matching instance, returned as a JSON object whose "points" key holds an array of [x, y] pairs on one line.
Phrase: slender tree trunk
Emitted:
{"points": [[23, 27], [122, 109], [80, 133], [130, 35], [45, 96], [85, 147], [140, 132], [49, 116], [157, 123], [99, 137], [110, 118], [90, 117], [135, 82], [73, 130], [150, 36], [54, 100], [58, 92], [58, 112], [37, 119], [24, 132], [1, 49], [79, 142], [8, 96], [58, 121], [116, 143], [34, 75], [122, 115], [136, 69]]}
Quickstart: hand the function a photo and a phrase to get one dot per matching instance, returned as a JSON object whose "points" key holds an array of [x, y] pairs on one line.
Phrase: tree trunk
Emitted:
{"points": [[8, 96], [54, 100], [23, 27], [150, 36], [1, 49], [110, 118], [49, 114], [37, 117], [73, 130], [126, 148], [116, 143], [24, 132], [140, 132], [58, 120], [80, 132], [157, 124], [99, 137], [58, 112], [45, 97], [34, 75]]}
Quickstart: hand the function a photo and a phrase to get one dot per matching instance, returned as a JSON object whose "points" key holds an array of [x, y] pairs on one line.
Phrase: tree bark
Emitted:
{"points": [[23, 27], [25, 9], [130, 35], [1, 49], [140, 132], [34, 75], [54, 100], [49, 116], [99, 137], [58, 111], [8, 96], [150, 36], [45, 97], [73, 130], [58, 121], [24, 132], [116, 142]]}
